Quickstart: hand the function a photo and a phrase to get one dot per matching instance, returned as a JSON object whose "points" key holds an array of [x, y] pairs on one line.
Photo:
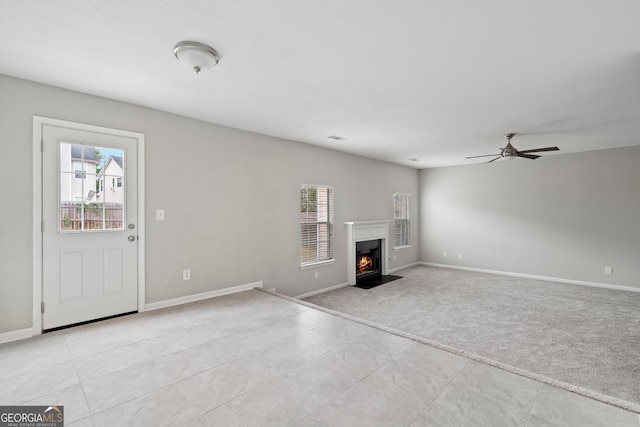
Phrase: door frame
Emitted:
{"points": [[38, 257]]}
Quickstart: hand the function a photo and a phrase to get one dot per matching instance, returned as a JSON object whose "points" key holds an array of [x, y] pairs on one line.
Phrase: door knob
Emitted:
{"points": [[131, 238]]}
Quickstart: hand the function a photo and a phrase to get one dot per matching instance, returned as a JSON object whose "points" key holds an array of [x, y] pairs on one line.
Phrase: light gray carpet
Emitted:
{"points": [[586, 336]]}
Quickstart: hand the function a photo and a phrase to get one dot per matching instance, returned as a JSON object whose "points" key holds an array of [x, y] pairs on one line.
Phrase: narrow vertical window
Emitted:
{"points": [[402, 225], [316, 224]]}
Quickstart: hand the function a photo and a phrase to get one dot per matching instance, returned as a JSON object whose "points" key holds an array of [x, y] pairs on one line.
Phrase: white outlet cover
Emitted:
{"points": [[159, 214]]}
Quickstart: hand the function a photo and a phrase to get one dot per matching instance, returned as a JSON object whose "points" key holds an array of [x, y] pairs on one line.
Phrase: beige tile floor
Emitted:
{"points": [[253, 359]]}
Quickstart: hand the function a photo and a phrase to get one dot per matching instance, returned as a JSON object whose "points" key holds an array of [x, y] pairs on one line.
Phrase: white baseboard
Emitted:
{"points": [[200, 297], [16, 335], [393, 270], [321, 291], [533, 276]]}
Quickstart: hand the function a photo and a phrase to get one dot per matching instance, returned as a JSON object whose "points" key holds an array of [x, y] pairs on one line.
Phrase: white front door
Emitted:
{"points": [[89, 212]]}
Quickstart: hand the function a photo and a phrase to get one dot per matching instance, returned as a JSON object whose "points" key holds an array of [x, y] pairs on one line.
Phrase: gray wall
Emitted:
{"points": [[564, 216], [230, 196]]}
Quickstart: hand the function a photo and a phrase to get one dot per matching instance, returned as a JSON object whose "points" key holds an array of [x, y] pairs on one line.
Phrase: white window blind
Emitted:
{"points": [[316, 224], [402, 225]]}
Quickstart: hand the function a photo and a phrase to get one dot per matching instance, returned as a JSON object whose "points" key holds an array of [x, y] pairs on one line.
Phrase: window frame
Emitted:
{"points": [[403, 199], [325, 246]]}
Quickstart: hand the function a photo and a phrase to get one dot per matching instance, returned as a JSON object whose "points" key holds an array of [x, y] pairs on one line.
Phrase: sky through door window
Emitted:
{"points": [[402, 225], [316, 224]]}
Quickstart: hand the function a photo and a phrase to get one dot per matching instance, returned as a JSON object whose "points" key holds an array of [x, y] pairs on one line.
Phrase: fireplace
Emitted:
{"points": [[368, 260], [374, 265]]}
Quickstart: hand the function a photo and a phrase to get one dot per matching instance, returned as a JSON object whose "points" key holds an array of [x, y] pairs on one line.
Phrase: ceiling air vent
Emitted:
{"points": [[336, 137]]}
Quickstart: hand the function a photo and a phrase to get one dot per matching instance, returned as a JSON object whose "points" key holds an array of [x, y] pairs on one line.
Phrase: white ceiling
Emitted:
{"points": [[434, 80]]}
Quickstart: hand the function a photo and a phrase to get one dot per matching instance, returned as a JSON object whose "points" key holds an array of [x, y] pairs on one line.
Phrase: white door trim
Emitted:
{"points": [[38, 125]]}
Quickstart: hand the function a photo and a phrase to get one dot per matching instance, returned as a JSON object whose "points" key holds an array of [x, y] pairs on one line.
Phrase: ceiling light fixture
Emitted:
{"points": [[195, 55]]}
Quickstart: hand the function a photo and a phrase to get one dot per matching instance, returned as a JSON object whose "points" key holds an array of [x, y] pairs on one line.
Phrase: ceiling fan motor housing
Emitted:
{"points": [[509, 151]]}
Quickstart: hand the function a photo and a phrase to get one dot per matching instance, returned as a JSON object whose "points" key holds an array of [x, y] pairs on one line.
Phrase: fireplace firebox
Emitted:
{"points": [[368, 260]]}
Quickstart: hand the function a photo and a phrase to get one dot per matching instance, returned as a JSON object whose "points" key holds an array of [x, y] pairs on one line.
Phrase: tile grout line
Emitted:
{"points": [[151, 360], [493, 398], [136, 316], [534, 405], [80, 382], [354, 385], [440, 392], [144, 341]]}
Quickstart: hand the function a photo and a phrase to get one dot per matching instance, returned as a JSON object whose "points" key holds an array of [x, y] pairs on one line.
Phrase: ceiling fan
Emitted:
{"points": [[509, 152]]}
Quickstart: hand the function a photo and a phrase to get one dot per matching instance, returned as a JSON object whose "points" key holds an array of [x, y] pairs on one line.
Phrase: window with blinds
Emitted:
{"points": [[316, 224], [402, 224]]}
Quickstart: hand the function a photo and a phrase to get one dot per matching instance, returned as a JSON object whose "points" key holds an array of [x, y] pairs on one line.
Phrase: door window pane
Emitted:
{"points": [[91, 188]]}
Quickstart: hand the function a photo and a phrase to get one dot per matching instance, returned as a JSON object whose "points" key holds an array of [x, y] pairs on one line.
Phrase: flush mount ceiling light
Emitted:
{"points": [[195, 55]]}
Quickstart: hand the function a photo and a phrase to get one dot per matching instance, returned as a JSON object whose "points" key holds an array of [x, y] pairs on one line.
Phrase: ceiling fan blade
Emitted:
{"points": [[484, 155], [493, 160], [537, 150], [527, 156]]}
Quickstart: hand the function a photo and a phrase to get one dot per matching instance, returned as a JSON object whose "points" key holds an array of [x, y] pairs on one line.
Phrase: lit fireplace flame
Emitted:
{"points": [[364, 264]]}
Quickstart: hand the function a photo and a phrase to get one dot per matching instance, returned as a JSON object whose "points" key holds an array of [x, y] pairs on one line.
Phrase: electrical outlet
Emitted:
{"points": [[186, 274], [459, 256], [608, 270], [444, 254], [159, 214], [316, 274]]}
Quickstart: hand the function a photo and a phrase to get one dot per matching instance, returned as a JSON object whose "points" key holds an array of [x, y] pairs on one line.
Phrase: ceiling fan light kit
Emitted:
{"points": [[509, 152], [195, 55]]}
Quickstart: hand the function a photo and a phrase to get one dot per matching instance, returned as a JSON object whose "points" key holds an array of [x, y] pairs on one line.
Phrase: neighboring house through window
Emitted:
{"points": [[402, 225], [111, 178], [78, 164], [316, 224]]}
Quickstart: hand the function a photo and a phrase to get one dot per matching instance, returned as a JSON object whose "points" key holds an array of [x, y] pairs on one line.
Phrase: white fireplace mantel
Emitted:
{"points": [[360, 231]]}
